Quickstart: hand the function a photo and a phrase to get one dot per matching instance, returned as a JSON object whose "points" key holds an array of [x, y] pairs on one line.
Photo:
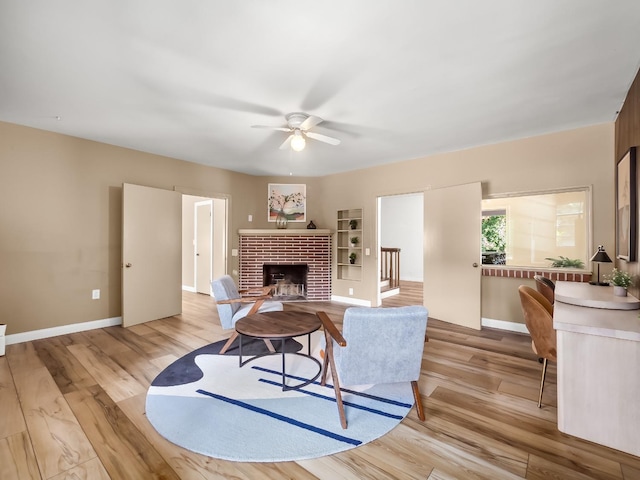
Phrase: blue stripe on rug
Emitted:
{"points": [[282, 418], [346, 390], [332, 399]]}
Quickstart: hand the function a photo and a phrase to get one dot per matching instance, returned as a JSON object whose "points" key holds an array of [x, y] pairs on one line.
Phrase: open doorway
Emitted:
{"points": [[204, 237], [400, 237]]}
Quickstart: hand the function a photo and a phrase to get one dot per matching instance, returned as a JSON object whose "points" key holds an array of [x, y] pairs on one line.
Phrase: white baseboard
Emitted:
{"points": [[390, 293], [110, 322], [187, 288], [504, 325], [61, 330], [351, 301]]}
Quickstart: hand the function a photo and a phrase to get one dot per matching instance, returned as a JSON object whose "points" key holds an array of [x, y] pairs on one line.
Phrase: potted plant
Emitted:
{"points": [[564, 262], [352, 258], [354, 241], [621, 281], [353, 224]]}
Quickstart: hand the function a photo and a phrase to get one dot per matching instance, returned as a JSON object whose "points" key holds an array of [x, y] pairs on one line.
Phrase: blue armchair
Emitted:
{"points": [[377, 345], [234, 304]]}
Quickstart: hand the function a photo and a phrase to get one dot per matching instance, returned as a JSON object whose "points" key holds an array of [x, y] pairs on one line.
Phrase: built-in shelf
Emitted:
{"points": [[345, 269]]}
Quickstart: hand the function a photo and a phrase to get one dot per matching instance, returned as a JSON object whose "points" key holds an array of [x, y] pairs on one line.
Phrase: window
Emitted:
{"points": [[528, 230], [494, 236]]}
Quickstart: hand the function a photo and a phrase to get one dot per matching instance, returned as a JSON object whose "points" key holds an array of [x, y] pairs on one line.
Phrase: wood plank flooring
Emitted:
{"points": [[73, 407]]}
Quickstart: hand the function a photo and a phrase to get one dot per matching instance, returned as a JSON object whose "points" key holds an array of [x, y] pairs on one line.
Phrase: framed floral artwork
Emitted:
{"points": [[289, 200], [626, 207]]}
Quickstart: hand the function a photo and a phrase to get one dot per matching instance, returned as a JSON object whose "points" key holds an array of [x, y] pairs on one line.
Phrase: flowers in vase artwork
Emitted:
{"points": [[289, 200]]}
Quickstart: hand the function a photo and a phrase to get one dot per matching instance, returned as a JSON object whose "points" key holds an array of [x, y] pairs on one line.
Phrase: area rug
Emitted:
{"points": [[206, 403]]}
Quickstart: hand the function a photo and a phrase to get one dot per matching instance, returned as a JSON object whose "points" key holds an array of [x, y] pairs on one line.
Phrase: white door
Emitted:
{"points": [[203, 247], [452, 254], [151, 254]]}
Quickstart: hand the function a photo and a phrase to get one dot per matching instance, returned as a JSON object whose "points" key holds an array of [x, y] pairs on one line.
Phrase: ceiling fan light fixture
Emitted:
{"points": [[298, 142]]}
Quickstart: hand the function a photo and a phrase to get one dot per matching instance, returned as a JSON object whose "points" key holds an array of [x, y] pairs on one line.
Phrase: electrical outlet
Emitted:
{"points": [[251, 218], [351, 291], [95, 294]]}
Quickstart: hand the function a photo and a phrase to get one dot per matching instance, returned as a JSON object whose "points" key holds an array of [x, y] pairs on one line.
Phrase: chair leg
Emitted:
{"points": [[323, 379], [233, 336], [336, 389], [325, 358], [330, 362], [544, 373], [418, 399], [269, 345]]}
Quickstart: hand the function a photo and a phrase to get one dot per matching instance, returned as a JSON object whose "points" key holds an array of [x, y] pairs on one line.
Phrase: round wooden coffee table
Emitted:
{"points": [[280, 326]]}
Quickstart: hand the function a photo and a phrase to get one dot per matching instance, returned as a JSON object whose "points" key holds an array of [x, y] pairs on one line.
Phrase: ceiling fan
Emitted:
{"points": [[298, 125]]}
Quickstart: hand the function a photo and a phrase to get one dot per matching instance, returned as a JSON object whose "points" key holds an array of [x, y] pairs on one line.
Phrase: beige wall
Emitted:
{"points": [[61, 201], [60, 218], [566, 159]]}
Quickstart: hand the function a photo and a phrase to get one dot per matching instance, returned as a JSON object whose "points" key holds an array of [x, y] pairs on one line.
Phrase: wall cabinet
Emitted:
{"points": [[349, 244]]}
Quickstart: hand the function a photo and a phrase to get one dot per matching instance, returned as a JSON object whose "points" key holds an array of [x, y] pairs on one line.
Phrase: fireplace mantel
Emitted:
{"points": [[280, 232]]}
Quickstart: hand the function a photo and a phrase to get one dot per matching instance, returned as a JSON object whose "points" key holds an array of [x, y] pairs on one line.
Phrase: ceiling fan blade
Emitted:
{"points": [[281, 129], [286, 143], [322, 138], [310, 122]]}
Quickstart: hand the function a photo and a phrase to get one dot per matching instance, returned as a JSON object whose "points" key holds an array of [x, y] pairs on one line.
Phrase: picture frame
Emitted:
{"points": [[626, 207], [288, 199]]}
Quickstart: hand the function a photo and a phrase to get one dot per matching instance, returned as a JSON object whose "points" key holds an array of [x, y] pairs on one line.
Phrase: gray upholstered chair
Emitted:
{"points": [[377, 345], [234, 304]]}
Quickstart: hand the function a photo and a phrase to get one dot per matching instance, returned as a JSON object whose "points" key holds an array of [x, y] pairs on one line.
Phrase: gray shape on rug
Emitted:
{"points": [[185, 370]]}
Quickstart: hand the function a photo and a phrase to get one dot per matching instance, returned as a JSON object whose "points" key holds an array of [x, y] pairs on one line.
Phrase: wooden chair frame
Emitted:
{"points": [[331, 333], [257, 296]]}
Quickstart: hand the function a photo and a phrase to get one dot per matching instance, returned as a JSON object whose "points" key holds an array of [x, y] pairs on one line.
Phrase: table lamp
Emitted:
{"points": [[600, 257]]}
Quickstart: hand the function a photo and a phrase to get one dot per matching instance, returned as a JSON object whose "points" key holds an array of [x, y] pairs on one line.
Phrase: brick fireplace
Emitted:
{"points": [[287, 247]]}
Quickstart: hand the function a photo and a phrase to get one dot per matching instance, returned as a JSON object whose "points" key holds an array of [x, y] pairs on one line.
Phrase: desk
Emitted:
{"points": [[598, 366]]}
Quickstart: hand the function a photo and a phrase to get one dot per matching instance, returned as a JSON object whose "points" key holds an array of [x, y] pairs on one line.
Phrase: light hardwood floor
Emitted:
{"points": [[73, 407]]}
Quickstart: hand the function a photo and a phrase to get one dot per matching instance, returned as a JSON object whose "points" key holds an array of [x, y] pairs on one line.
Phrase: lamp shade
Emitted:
{"points": [[601, 256]]}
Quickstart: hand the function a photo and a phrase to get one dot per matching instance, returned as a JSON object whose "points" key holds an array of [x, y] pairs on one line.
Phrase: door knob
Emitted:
{"points": [[128, 265], [475, 265]]}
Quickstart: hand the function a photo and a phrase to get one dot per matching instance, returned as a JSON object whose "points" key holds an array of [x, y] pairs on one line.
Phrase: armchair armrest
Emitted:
{"points": [[256, 291], [331, 329], [249, 299], [250, 295]]}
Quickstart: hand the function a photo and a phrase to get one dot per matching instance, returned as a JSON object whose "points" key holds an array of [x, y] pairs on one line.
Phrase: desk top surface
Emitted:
{"points": [[595, 296], [601, 321]]}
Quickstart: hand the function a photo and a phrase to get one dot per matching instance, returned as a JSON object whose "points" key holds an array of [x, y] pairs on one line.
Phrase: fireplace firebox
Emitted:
{"points": [[289, 281]]}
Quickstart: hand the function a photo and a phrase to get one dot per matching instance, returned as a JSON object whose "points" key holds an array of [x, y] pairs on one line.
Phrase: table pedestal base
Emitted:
{"points": [[285, 387]]}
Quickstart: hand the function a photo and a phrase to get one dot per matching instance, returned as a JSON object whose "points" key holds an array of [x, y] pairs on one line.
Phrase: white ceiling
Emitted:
{"points": [[393, 79]]}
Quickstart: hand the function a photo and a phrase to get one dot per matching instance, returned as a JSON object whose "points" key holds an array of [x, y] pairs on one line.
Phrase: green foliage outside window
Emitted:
{"points": [[493, 233]]}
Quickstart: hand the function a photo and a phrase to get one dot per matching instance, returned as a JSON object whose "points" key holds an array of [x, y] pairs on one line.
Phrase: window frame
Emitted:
{"points": [[587, 189]]}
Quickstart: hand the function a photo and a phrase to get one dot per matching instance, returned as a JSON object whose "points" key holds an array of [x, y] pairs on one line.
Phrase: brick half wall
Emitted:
{"points": [[489, 271], [314, 250]]}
